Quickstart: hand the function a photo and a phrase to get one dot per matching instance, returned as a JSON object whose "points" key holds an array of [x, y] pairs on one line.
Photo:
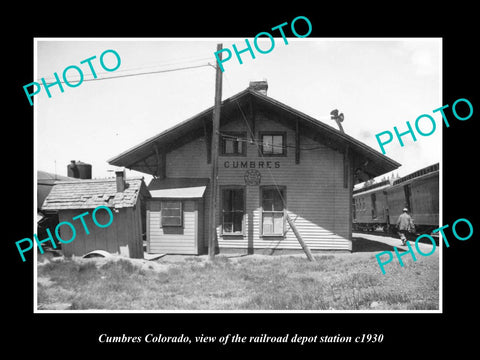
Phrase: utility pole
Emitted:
{"points": [[215, 140]]}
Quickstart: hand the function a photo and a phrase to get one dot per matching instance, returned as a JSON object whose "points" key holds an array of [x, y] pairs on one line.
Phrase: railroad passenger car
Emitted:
{"points": [[370, 207], [418, 192]]}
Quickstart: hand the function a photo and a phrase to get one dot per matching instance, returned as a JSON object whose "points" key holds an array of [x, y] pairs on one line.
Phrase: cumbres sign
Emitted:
{"points": [[250, 164]]}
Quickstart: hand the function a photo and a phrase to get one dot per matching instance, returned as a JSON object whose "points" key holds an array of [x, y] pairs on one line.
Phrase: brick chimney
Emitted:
{"points": [[259, 86], [120, 178]]}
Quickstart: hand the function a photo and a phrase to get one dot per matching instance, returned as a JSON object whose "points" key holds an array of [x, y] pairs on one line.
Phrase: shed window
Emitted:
{"points": [[233, 209], [273, 144], [172, 213], [273, 211]]}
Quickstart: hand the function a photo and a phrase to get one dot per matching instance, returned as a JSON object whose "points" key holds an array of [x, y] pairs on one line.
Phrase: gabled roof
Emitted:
{"points": [[373, 162], [89, 194]]}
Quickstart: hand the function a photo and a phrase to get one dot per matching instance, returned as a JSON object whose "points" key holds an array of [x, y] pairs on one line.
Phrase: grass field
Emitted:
{"points": [[337, 281]]}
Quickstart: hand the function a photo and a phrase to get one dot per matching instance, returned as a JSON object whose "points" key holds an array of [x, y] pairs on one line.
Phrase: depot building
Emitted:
{"points": [[274, 161]]}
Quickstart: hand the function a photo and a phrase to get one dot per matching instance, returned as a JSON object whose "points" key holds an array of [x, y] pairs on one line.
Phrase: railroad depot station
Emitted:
{"points": [[283, 178], [275, 163]]}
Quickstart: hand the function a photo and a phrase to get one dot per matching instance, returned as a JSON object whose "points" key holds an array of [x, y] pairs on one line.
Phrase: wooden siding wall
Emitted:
{"points": [[123, 236], [190, 161], [172, 239], [317, 200]]}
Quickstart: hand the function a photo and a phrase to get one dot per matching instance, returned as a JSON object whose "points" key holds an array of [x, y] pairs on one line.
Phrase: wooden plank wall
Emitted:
{"points": [[122, 236]]}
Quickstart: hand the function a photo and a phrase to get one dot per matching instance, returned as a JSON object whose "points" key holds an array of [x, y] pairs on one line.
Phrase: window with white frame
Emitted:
{"points": [[273, 210]]}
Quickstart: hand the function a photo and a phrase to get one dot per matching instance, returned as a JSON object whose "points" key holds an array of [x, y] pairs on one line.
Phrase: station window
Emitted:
{"points": [[273, 144], [273, 207], [233, 210], [233, 143], [172, 213]]}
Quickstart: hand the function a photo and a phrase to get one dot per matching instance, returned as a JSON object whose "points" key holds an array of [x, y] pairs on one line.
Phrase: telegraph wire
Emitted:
{"points": [[155, 65], [260, 142], [137, 74], [176, 63]]}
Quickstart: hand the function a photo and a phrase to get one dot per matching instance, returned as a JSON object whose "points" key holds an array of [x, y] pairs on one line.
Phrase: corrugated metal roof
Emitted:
{"points": [[179, 193], [89, 194], [362, 192], [424, 171], [178, 188]]}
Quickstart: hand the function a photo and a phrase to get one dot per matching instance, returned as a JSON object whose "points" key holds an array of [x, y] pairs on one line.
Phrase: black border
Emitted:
{"points": [[408, 333]]}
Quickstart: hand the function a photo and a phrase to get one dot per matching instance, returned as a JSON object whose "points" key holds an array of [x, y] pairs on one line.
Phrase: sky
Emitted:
{"points": [[376, 83]]}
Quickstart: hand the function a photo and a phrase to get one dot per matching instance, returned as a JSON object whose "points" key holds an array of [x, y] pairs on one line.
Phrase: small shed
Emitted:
{"points": [[125, 197], [175, 216]]}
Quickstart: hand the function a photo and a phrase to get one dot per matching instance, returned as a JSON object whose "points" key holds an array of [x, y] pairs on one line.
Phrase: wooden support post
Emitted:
{"points": [[163, 172], [161, 160], [350, 196], [346, 167], [149, 168], [215, 138], [297, 142], [300, 240]]}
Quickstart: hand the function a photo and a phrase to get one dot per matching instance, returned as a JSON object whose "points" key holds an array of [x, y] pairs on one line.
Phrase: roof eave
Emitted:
{"points": [[389, 164], [117, 160]]}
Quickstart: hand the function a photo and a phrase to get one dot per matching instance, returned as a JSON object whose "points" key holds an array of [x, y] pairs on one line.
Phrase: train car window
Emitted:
{"points": [[374, 206], [408, 194]]}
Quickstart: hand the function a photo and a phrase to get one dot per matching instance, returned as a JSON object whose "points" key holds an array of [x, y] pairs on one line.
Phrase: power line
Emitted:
{"points": [[180, 62], [138, 74], [260, 142], [157, 65]]}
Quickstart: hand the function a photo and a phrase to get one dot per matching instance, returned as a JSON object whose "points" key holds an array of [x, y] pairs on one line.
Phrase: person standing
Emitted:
{"points": [[404, 225]]}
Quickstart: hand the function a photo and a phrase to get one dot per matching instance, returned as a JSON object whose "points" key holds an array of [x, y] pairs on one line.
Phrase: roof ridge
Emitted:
{"points": [[76, 181]]}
